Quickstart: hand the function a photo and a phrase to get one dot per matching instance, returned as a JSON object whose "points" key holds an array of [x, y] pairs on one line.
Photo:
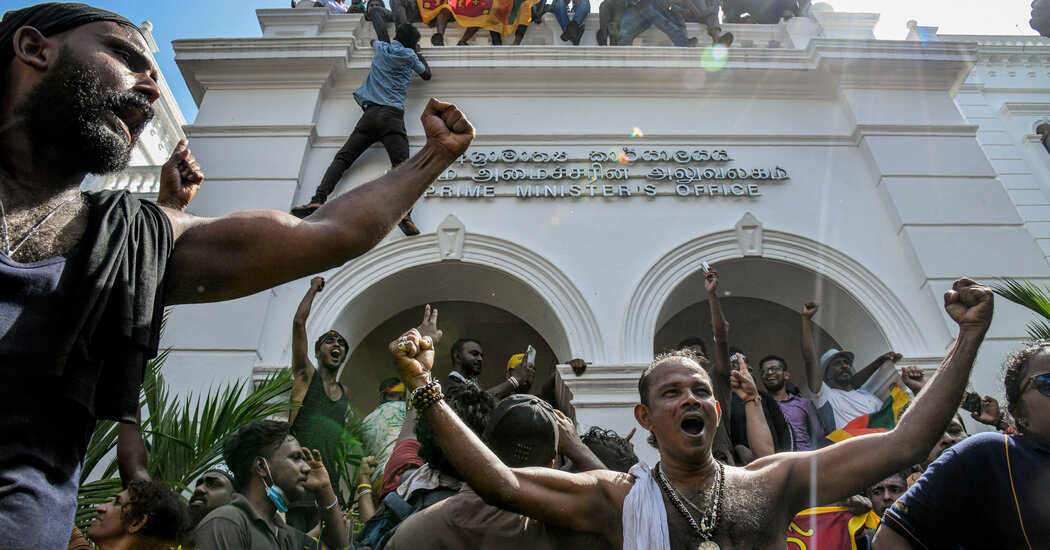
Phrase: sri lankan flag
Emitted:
{"points": [[882, 420], [828, 528], [502, 16]]}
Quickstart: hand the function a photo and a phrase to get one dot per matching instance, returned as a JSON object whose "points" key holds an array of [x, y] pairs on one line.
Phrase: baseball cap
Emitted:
{"points": [[523, 431], [515, 360]]}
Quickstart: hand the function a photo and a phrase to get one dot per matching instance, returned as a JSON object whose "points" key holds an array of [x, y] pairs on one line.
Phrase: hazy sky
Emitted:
{"points": [[223, 18]]}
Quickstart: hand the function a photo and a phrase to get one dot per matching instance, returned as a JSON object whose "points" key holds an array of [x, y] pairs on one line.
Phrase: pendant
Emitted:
{"points": [[708, 545]]}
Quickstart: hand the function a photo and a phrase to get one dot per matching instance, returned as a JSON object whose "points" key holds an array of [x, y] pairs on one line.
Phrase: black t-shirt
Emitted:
{"points": [[971, 497], [75, 333]]}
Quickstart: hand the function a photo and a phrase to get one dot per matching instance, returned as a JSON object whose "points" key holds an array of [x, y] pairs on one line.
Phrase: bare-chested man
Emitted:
{"points": [[648, 509], [84, 277]]}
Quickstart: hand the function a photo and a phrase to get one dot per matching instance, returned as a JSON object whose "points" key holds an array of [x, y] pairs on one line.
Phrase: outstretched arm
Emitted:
{"points": [[236, 255], [590, 502], [864, 374], [302, 367], [718, 324], [809, 355], [852, 465]]}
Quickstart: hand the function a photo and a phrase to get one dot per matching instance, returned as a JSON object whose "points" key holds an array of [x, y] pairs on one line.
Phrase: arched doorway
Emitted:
{"points": [[761, 299], [757, 327], [497, 291], [500, 333]]}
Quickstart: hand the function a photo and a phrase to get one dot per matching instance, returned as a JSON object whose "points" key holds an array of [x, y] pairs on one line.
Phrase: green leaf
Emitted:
{"points": [[183, 437], [1026, 294]]}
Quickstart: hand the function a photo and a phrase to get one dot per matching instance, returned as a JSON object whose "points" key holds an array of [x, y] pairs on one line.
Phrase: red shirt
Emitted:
{"points": [[404, 456]]}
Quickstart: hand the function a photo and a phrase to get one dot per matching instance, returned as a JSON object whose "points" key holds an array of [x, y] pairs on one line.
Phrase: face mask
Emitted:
{"points": [[274, 492]]}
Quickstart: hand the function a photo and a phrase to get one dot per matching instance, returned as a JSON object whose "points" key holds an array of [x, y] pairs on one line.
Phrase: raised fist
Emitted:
{"points": [[447, 128], [414, 356], [969, 303], [711, 280], [317, 283], [809, 309], [180, 178]]}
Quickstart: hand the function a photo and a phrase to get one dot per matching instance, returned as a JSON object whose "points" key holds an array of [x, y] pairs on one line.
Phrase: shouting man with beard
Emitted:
{"points": [[84, 277], [689, 500]]}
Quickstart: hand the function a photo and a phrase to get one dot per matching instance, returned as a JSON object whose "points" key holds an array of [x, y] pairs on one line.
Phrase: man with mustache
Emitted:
{"points": [[836, 389], [84, 277], [214, 488], [689, 500]]}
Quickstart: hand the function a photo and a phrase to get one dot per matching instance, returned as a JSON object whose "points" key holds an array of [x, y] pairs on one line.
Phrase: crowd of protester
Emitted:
{"points": [[449, 464], [620, 21]]}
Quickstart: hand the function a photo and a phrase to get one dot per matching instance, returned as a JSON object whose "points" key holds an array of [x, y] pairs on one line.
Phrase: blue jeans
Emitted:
{"points": [[640, 17], [560, 10]]}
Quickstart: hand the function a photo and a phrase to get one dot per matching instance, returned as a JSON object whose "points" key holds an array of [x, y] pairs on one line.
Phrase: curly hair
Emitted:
{"points": [[473, 406], [614, 451], [258, 438], [166, 513], [1016, 368]]}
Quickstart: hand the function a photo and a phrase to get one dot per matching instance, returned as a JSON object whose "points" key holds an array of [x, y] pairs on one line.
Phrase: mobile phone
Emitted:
{"points": [[706, 268], [530, 355], [971, 402]]}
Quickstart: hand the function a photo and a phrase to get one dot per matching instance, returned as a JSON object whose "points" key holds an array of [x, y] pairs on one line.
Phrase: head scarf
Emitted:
{"points": [[50, 18]]}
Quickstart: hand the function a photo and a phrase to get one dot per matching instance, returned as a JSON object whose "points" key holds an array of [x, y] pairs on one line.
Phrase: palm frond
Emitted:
{"points": [[183, 437], [1028, 295], [91, 495]]}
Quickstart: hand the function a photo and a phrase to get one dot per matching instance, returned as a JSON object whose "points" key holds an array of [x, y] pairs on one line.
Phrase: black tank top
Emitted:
{"points": [[320, 421]]}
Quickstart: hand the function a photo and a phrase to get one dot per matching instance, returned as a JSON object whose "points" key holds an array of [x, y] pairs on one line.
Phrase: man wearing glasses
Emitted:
{"points": [[989, 491], [799, 412]]}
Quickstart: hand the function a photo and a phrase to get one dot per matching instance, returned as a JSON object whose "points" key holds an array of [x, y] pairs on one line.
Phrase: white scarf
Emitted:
{"points": [[644, 515]]}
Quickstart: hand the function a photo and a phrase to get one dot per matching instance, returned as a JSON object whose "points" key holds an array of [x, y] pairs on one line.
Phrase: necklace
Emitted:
{"points": [[709, 518], [3, 216]]}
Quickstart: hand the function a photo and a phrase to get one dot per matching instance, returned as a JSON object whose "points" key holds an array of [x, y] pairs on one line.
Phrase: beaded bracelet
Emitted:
{"points": [[426, 396]]}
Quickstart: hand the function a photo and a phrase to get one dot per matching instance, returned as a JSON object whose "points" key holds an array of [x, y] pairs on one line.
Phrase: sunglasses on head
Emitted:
{"points": [[1042, 383]]}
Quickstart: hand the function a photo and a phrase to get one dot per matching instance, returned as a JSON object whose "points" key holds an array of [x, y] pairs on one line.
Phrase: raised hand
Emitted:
{"points": [[913, 377], [364, 471], [524, 373], [711, 280], [891, 356], [579, 366], [428, 327], [317, 284], [414, 356], [447, 127], [989, 413], [180, 178], [741, 381], [567, 434], [809, 309], [970, 304], [317, 479]]}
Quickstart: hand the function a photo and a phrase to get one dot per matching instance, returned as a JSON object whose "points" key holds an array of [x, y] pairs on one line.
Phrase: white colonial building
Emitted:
{"points": [[812, 162]]}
